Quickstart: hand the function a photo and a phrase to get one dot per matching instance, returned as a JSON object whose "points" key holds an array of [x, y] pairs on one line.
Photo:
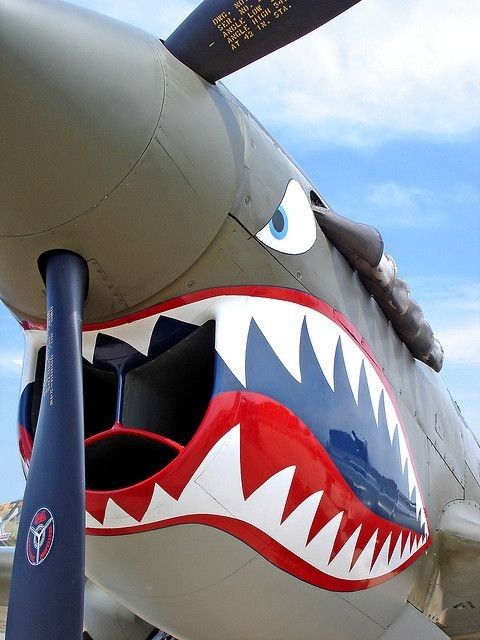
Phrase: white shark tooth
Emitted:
{"points": [[324, 336], [89, 342], [265, 506], [25, 467], [361, 568], [391, 414], [232, 326], [414, 547], [212, 454], [319, 550], [281, 324], [414, 544], [353, 357], [116, 517], [418, 504], [91, 522], [375, 386], [34, 340], [381, 563], [396, 557], [295, 529], [195, 499], [412, 481], [161, 507], [196, 312], [406, 551], [221, 477], [404, 455], [137, 334], [340, 565], [423, 520]]}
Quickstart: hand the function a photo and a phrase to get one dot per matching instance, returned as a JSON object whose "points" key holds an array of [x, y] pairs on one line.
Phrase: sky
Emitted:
{"points": [[381, 108]]}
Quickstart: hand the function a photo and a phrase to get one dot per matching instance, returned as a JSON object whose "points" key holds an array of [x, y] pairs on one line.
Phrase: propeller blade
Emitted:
{"points": [[222, 36], [46, 595]]}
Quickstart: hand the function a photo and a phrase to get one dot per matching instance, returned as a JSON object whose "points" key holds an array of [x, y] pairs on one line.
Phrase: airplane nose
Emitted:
{"points": [[70, 81], [111, 148]]}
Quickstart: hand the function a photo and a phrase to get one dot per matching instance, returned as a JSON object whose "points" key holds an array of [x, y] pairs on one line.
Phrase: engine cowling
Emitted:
{"points": [[107, 619]]}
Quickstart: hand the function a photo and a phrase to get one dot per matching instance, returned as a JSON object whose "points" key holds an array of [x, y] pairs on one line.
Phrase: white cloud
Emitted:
{"points": [[160, 18], [450, 297], [452, 307], [395, 195], [10, 363], [394, 204], [381, 70], [466, 194], [462, 343], [405, 206]]}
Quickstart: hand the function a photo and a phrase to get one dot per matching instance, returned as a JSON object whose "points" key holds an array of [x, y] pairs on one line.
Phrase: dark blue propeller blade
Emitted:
{"points": [[222, 36], [46, 596]]}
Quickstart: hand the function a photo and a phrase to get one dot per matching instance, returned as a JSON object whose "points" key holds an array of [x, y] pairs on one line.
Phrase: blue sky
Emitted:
{"points": [[381, 108]]}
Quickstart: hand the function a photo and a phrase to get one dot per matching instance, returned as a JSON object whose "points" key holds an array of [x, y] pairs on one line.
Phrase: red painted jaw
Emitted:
{"points": [[254, 469]]}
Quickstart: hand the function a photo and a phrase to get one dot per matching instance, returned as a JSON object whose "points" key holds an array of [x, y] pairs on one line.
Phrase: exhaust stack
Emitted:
{"points": [[362, 247]]}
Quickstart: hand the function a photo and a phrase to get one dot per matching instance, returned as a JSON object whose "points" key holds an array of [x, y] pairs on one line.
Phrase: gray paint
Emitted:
{"points": [[216, 569], [191, 177], [153, 217], [412, 624], [453, 597], [67, 125], [106, 619]]}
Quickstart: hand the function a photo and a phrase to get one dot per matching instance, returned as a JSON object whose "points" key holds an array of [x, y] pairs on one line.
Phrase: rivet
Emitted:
{"points": [[248, 201]]}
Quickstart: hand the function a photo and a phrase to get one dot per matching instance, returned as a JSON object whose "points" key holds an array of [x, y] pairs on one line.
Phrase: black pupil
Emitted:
{"points": [[278, 221]]}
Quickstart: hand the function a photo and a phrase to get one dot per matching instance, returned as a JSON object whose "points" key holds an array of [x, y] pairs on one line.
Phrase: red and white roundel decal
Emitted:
{"points": [[40, 536]]}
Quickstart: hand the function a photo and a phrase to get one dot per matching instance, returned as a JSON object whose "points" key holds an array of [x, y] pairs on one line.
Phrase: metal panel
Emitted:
{"points": [[184, 180], [442, 486], [201, 584], [472, 456], [472, 487], [413, 624]]}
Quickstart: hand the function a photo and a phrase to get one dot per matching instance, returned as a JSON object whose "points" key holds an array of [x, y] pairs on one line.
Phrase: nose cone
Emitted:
{"points": [[70, 81], [110, 147]]}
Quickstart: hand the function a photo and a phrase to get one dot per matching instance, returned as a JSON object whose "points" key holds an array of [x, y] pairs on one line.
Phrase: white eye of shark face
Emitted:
{"points": [[292, 228]]}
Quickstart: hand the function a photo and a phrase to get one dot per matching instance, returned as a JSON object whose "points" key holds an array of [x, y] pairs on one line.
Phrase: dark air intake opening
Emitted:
{"points": [[100, 396], [170, 394], [100, 399], [121, 460]]}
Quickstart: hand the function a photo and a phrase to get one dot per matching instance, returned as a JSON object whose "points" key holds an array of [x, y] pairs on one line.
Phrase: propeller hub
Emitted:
{"points": [[111, 149], [81, 98]]}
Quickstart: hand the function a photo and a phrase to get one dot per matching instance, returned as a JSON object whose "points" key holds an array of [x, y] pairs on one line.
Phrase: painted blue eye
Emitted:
{"points": [[278, 225], [292, 228]]}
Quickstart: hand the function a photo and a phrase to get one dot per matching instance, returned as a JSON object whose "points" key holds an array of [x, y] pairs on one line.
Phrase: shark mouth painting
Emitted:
{"points": [[259, 411]]}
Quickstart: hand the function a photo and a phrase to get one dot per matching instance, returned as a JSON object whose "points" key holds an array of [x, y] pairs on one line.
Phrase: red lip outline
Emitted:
{"points": [[224, 410], [263, 421]]}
